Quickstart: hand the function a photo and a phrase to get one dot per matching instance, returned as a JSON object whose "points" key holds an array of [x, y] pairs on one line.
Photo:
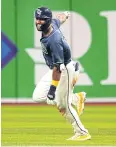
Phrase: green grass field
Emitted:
{"points": [[44, 125]]}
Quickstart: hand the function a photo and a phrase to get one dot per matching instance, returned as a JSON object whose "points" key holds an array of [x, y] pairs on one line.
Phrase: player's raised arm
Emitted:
{"points": [[63, 16]]}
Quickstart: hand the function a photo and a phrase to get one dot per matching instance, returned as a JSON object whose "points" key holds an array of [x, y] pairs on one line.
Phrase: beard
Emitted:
{"points": [[38, 26], [44, 28]]}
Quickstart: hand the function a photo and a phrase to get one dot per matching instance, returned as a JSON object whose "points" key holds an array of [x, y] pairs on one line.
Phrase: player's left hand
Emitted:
{"points": [[51, 93]]}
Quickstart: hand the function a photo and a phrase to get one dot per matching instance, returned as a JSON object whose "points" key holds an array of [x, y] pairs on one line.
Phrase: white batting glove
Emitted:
{"points": [[67, 13]]}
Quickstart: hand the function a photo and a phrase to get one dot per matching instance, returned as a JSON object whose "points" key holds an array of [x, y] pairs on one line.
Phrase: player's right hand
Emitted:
{"points": [[67, 13]]}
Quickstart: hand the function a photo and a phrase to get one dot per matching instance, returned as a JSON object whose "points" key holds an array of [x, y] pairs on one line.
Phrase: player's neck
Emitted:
{"points": [[48, 31]]}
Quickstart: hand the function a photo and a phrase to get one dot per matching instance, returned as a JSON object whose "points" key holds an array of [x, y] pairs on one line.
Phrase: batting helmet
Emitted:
{"points": [[44, 13]]}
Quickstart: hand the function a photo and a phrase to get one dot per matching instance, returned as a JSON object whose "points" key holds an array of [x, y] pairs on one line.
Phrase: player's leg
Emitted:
{"points": [[77, 125], [42, 88], [80, 132], [78, 99], [64, 99]]}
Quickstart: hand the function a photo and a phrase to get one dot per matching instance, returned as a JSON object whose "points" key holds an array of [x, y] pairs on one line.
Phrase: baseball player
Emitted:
{"points": [[56, 86]]}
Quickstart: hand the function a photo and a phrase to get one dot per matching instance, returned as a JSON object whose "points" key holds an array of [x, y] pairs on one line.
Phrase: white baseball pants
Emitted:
{"points": [[64, 95]]}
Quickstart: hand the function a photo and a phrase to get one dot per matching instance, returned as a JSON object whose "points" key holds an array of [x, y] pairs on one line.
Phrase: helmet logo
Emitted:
{"points": [[39, 12], [47, 10]]}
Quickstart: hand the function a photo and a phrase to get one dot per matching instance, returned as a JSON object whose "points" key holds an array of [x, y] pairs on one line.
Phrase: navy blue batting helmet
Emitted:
{"points": [[44, 13]]}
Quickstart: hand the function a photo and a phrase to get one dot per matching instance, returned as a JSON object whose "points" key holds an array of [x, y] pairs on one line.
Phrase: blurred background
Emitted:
{"points": [[90, 31]]}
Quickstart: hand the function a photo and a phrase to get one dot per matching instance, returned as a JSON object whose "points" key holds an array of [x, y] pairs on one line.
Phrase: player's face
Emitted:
{"points": [[38, 23]]}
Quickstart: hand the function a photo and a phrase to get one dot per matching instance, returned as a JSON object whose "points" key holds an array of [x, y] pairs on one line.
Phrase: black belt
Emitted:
{"points": [[67, 62]]}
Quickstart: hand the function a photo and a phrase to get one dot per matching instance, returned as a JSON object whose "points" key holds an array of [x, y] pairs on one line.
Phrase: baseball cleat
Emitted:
{"points": [[80, 104], [80, 137]]}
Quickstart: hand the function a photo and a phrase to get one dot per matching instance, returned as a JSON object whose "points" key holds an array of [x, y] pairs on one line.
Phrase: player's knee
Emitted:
{"points": [[39, 97], [61, 109], [34, 97]]}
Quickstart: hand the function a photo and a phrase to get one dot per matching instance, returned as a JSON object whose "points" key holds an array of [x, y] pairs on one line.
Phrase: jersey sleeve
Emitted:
{"points": [[57, 22], [57, 53]]}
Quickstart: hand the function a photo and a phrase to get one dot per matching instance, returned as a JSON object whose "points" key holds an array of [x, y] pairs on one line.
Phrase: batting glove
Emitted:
{"points": [[67, 13], [51, 93]]}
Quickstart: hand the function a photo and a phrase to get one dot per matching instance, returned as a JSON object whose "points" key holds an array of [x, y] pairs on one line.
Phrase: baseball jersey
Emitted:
{"points": [[55, 49]]}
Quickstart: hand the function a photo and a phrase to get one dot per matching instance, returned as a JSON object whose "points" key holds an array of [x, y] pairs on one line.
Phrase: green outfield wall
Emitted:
{"points": [[90, 31]]}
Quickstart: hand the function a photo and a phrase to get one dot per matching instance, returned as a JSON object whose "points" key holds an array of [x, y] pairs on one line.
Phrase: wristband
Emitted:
{"points": [[55, 83]]}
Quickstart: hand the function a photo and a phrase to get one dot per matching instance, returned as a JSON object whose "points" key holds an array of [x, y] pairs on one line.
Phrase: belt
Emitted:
{"points": [[67, 62]]}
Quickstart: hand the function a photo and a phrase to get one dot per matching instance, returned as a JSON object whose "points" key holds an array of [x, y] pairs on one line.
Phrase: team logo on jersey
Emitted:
{"points": [[44, 50]]}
